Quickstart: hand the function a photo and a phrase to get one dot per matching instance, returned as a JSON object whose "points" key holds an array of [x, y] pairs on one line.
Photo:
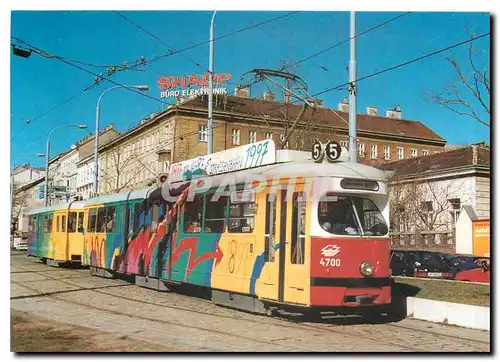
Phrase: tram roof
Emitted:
{"points": [[74, 205], [306, 169], [122, 196]]}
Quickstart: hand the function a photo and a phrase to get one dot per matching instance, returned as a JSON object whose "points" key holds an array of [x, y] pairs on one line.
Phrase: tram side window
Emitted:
{"points": [[80, 221], [92, 220], [63, 223], [242, 212], [110, 219], [215, 214], [298, 228], [45, 222], [72, 222], [49, 223], [192, 215], [155, 216], [32, 224], [137, 216], [57, 223], [270, 231], [101, 220]]}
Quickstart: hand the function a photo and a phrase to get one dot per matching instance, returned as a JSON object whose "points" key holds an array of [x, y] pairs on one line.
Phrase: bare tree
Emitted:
{"points": [[114, 174], [19, 203], [470, 82], [424, 205]]}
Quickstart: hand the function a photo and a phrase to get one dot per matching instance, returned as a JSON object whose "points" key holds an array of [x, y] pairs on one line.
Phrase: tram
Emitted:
{"points": [[262, 229]]}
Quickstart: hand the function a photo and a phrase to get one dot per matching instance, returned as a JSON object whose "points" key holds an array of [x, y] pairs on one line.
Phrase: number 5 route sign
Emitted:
{"points": [[332, 151], [318, 152]]}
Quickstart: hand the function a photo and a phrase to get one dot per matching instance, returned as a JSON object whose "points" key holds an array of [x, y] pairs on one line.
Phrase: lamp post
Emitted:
{"points": [[47, 153], [210, 86], [97, 121], [12, 181]]}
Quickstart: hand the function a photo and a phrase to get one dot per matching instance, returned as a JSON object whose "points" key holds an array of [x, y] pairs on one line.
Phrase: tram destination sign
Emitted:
{"points": [[235, 159]]}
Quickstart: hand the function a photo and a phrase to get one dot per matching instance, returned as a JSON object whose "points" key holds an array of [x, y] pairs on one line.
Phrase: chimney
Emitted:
{"points": [[287, 97], [241, 91], [474, 154], [344, 106], [269, 96], [371, 111], [318, 102], [395, 112]]}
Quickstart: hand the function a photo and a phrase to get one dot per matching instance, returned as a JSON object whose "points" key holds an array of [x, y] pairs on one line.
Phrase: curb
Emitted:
{"points": [[463, 315]]}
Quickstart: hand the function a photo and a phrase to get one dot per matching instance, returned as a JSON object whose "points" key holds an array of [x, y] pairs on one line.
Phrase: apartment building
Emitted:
{"points": [[83, 169], [142, 155]]}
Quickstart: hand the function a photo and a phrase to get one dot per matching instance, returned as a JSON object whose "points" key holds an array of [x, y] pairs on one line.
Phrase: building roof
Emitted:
{"points": [[324, 116], [441, 162], [30, 184]]}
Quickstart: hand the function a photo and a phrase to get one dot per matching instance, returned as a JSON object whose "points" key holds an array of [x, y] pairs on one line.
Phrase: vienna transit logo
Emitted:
{"points": [[174, 86], [330, 251]]}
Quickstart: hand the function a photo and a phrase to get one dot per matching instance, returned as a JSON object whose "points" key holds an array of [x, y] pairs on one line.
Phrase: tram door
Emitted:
{"points": [[282, 243]]}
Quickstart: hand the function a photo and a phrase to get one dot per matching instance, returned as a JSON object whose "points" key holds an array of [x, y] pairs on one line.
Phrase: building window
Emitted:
{"points": [[425, 152], [235, 137], [427, 208], [269, 135], [361, 149], [413, 153], [252, 136], [401, 153], [373, 152], [148, 146], [203, 133], [387, 152], [455, 210], [344, 144]]}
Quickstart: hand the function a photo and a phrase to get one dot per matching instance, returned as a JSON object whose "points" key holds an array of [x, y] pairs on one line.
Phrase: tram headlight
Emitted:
{"points": [[366, 268]]}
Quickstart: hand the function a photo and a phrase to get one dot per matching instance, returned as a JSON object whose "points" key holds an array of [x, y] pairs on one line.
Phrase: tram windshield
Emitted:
{"points": [[350, 215]]}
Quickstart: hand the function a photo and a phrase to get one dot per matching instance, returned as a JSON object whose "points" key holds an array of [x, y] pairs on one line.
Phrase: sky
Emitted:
{"points": [[105, 38]]}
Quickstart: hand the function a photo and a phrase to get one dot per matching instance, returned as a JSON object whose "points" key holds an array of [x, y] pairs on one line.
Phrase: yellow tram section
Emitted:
{"points": [[66, 240], [241, 251]]}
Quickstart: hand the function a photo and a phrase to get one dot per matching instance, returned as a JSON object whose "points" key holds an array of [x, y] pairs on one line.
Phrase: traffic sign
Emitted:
{"points": [[332, 151]]}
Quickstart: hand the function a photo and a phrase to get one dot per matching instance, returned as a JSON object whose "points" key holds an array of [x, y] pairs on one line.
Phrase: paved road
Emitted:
{"points": [[180, 322]]}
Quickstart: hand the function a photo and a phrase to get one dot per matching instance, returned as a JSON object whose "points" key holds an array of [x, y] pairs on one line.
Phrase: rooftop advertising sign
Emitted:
{"points": [[192, 85], [235, 159]]}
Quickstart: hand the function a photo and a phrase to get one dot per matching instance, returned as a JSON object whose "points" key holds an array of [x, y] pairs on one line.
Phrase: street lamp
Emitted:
{"points": [[142, 88], [80, 126], [12, 180], [210, 86]]}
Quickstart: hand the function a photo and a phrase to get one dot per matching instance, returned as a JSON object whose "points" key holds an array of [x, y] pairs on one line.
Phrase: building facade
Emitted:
{"points": [[142, 155], [427, 195], [23, 174]]}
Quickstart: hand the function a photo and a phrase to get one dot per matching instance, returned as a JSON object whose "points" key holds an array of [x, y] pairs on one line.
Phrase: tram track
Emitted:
{"points": [[285, 319], [123, 314], [295, 324]]}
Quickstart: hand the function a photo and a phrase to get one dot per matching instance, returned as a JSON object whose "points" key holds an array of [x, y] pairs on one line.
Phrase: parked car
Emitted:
{"points": [[420, 263], [470, 268]]}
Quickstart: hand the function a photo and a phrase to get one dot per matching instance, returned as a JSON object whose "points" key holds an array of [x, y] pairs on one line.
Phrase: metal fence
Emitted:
{"points": [[423, 239]]}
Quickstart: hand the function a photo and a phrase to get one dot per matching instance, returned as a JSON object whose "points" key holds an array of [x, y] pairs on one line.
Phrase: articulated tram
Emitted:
{"points": [[262, 229]]}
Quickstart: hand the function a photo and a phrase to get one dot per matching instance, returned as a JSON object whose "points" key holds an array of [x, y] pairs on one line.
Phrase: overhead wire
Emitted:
{"points": [[157, 58]]}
